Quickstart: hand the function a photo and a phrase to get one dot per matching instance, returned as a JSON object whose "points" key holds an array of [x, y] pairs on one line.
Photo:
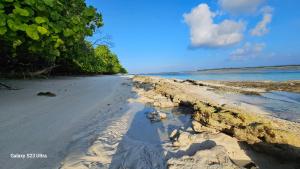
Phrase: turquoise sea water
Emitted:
{"points": [[284, 105], [274, 75]]}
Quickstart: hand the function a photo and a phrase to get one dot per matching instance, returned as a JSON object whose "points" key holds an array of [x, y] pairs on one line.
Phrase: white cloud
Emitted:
{"points": [[205, 33], [240, 6], [247, 51], [262, 26]]}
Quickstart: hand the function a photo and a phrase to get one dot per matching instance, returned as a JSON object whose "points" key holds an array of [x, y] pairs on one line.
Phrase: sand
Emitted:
{"points": [[57, 126]]}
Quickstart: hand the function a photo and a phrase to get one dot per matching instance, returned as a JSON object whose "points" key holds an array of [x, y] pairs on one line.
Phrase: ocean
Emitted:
{"points": [[249, 74], [284, 105]]}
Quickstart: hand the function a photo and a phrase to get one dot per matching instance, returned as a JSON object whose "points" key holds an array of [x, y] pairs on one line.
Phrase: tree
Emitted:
{"points": [[37, 33]]}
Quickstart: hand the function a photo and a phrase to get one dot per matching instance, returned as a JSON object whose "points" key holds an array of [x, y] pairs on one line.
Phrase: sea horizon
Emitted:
{"points": [[273, 73]]}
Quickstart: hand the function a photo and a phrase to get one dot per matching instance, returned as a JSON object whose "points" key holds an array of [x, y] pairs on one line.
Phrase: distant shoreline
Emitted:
{"points": [[278, 67]]}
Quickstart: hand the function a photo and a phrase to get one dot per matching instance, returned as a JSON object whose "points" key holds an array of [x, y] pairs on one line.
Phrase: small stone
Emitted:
{"points": [[162, 115], [49, 94], [174, 134]]}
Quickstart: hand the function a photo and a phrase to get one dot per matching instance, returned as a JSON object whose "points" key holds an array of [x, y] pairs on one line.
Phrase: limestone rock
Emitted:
{"points": [[184, 139], [215, 158], [198, 127]]}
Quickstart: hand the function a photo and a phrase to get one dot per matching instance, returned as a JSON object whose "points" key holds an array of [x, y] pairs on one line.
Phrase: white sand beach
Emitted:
{"points": [[57, 126]]}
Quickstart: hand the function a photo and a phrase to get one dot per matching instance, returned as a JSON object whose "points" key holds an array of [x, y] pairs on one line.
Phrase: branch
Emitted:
{"points": [[43, 71], [7, 87]]}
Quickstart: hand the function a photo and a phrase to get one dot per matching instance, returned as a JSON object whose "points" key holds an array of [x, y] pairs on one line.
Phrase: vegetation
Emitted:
{"points": [[37, 34]]}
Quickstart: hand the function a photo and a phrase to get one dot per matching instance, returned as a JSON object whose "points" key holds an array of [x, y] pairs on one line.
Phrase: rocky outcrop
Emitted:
{"points": [[274, 136]]}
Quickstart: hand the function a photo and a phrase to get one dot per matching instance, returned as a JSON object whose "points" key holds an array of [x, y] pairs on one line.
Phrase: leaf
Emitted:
{"points": [[1, 6], [21, 27], [42, 30], [30, 2], [32, 32], [68, 32], [55, 16], [20, 11], [11, 24], [2, 20], [55, 52], [89, 11], [40, 20], [17, 43], [58, 43], [9, 0], [49, 2], [3, 30]]}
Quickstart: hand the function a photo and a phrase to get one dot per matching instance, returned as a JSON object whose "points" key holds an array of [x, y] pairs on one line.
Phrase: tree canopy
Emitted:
{"points": [[38, 33]]}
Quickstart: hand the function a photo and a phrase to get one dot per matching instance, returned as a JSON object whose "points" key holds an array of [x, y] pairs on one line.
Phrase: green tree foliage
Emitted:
{"points": [[100, 60], [40, 33]]}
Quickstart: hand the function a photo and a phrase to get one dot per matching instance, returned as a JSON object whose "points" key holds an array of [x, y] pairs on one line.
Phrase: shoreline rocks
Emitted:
{"points": [[276, 137]]}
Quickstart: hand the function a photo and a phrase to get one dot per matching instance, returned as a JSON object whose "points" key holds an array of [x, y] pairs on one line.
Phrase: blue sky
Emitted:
{"points": [[176, 35]]}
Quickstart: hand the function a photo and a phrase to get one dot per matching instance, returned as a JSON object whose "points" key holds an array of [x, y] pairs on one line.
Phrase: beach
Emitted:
{"points": [[53, 127], [143, 122]]}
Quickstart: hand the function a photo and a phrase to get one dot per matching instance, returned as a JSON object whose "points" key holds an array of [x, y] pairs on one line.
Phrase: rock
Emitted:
{"points": [[174, 134], [198, 127], [215, 158], [189, 129], [184, 139], [49, 94], [156, 116], [162, 115], [163, 103]]}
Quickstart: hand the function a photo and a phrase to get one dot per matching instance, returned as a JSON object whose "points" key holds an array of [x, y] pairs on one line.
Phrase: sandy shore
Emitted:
{"points": [[54, 127]]}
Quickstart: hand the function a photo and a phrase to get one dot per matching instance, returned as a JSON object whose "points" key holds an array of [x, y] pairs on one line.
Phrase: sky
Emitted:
{"points": [[152, 36]]}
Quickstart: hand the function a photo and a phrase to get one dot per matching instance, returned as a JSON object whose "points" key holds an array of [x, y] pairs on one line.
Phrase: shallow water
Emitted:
{"points": [[285, 105], [274, 75], [141, 146], [143, 129]]}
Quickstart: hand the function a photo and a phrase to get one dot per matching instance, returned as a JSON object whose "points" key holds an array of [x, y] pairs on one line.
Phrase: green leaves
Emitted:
{"points": [[30, 2], [42, 30], [40, 20], [17, 43], [68, 32], [20, 11], [2, 20], [32, 32], [11, 24], [3, 30], [49, 2], [89, 11]]}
